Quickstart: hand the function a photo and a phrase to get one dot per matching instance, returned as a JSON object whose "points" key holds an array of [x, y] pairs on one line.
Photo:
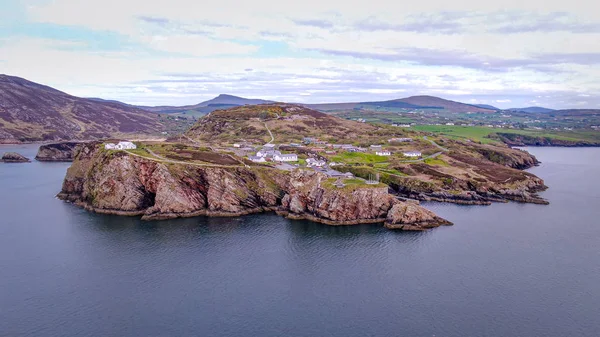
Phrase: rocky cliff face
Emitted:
{"points": [[58, 152], [525, 140], [13, 157], [470, 174], [118, 183]]}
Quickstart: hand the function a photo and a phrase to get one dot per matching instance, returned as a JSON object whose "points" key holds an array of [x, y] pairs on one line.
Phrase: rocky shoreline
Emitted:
{"points": [[115, 182], [58, 152], [511, 139]]}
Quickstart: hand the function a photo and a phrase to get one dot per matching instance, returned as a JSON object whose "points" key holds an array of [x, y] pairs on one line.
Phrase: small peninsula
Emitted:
{"points": [[298, 162], [61, 152], [123, 183]]}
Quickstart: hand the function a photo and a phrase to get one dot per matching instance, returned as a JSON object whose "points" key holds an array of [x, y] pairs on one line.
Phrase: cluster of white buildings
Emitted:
{"points": [[126, 145], [268, 152]]}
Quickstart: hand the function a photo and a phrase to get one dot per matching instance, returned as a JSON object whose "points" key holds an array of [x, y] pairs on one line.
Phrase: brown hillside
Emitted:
{"points": [[34, 112], [287, 122]]}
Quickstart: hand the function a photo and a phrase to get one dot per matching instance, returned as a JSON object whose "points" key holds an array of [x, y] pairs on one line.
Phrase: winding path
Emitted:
{"points": [[436, 144], [270, 133]]}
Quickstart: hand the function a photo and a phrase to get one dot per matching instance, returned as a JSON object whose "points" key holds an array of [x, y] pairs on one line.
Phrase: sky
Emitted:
{"points": [[177, 52]]}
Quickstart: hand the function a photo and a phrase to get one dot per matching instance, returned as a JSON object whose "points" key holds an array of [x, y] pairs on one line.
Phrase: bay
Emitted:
{"points": [[501, 270]]}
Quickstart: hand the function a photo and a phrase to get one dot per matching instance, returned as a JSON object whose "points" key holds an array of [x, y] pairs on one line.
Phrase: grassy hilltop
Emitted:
{"points": [[478, 170]]}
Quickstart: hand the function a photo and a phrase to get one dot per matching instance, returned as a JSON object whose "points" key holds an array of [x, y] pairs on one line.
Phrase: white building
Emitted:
{"points": [[412, 154], [237, 145], [311, 162], [449, 124], [120, 146], [383, 153], [268, 153], [285, 157], [126, 146], [399, 140], [257, 159]]}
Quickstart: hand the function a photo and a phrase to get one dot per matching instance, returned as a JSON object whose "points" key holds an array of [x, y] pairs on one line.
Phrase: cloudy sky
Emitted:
{"points": [[507, 54]]}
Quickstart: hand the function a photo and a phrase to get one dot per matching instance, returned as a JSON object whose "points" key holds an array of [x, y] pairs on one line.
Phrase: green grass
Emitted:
{"points": [[481, 133], [350, 185], [358, 158], [391, 171], [435, 161], [476, 133]]}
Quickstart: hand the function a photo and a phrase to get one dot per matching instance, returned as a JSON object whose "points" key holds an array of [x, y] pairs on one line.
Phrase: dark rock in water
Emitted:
{"points": [[13, 157], [58, 152]]}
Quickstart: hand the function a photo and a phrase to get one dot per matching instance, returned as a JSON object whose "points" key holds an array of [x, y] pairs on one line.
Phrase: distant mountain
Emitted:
{"points": [[102, 100], [486, 106], [413, 102], [447, 105], [33, 112], [533, 109], [234, 100], [222, 101]]}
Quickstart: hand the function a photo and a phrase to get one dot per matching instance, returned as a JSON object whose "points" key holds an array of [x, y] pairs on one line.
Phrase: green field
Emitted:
{"points": [[358, 158], [482, 134]]}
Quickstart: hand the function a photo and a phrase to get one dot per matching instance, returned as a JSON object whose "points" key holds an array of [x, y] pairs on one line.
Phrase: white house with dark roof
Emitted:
{"points": [[257, 159], [312, 162], [125, 145], [412, 154], [285, 157]]}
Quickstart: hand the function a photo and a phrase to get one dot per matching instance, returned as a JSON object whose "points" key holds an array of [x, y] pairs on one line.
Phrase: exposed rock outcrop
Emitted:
{"points": [[13, 157], [514, 139], [58, 152], [118, 183], [468, 174]]}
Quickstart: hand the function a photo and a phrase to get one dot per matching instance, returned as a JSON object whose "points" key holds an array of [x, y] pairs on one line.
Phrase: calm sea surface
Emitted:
{"points": [[502, 270]]}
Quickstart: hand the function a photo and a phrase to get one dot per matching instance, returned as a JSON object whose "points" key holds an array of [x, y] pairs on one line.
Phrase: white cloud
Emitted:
{"points": [[194, 36]]}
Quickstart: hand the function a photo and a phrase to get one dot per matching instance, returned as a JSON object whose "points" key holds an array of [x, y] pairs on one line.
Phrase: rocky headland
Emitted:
{"points": [[468, 174], [117, 182], [513, 139], [13, 157], [58, 152]]}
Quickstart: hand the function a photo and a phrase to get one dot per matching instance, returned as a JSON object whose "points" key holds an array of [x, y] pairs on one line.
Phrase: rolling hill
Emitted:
{"points": [[222, 101], [287, 122], [33, 112], [486, 106], [534, 109], [445, 104], [411, 103]]}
